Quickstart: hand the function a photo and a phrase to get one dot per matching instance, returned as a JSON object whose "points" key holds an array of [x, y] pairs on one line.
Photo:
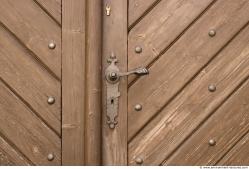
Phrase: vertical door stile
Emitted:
{"points": [[114, 141]]}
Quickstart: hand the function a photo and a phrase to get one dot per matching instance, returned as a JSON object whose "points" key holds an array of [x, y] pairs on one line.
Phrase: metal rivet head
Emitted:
{"points": [[51, 45], [212, 33], [112, 126], [139, 160], [51, 100], [138, 49], [138, 107], [212, 142], [211, 88], [50, 156]]}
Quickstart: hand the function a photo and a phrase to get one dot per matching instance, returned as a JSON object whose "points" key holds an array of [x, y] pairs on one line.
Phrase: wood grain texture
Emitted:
{"points": [[226, 127], [239, 154], [154, 35], [27, 132], [114, 150], [52, 7], [9, 156], [193, 104], [73, 82], [35, 34], [29, 80], [93, 84], [183, 60], [137, 8]]}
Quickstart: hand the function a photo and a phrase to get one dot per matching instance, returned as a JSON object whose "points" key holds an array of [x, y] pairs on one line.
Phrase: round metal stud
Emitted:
{"points": [[50, 157], [138, 49], [212, 142], [212, 33], [139, 160], [51, 45], [51, 100], [112, 126], [138, 107], [212, 88]]}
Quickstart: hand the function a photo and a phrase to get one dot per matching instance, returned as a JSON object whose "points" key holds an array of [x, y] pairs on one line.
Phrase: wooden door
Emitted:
{"points": [[46, 52], [30, 83], [192, 108]]}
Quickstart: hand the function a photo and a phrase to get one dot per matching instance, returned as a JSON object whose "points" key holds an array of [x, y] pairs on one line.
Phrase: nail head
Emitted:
{"points": [[138, 49], [212, 88], [138, 107], [51, 100], [50, 156], [212, 33], [51, 45], [212, 142], [139, 160]]}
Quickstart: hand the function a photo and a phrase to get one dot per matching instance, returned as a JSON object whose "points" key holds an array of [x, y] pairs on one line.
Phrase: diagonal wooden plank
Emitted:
{"points": [[9, 156], [26, 131], [226, 127], [194, 104], [139, 7], [155, 35], [52, 7], [239, 154], [183, 60], [35, 29], [31, 81]]}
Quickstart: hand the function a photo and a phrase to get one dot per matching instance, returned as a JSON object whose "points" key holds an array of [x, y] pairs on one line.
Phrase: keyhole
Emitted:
{"points": [[112, 101]]}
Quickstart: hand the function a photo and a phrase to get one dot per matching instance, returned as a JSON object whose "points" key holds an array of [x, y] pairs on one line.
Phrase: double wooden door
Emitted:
{"points": [[191, 109]]}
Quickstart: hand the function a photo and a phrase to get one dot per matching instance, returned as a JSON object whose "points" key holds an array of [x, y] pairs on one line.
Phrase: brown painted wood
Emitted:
{"points": [[52, 7], [138, 8], [9, 156], [194, 104], [239, 154], [27, 132], [34, 34], [93, 84], [73, 81], [169, 74], [114, 141], [29, 80]]}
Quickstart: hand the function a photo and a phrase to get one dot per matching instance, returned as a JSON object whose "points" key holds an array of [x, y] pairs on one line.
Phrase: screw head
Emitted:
{"points": [[138, 49], [139, 160], [212, 88], [212, 142], [212, 33], [50, 157], [51, 45], [51, 100], [113, 76], [138, 107]]}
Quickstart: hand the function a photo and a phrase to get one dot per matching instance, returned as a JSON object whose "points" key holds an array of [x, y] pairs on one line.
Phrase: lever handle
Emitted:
{"points": [[139, 71]]}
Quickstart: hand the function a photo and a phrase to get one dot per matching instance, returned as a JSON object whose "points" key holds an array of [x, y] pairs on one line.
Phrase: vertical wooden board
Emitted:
{"points": [[52, 7], [73, 81], [93, 83], [115, 40], [35, 30]]}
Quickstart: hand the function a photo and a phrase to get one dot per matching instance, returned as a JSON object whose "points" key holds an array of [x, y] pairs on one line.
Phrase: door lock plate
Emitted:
{"points": [[113, 75]]}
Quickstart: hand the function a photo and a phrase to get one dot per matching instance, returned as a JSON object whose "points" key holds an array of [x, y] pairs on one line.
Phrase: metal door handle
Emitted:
{"points": [[112, 75]]}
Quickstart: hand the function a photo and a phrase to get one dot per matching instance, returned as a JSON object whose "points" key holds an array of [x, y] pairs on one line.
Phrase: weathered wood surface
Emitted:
{"points": [[174, 69], [30, 128], [178, 113], [52, 7], [73, 82], [114, 148]]}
